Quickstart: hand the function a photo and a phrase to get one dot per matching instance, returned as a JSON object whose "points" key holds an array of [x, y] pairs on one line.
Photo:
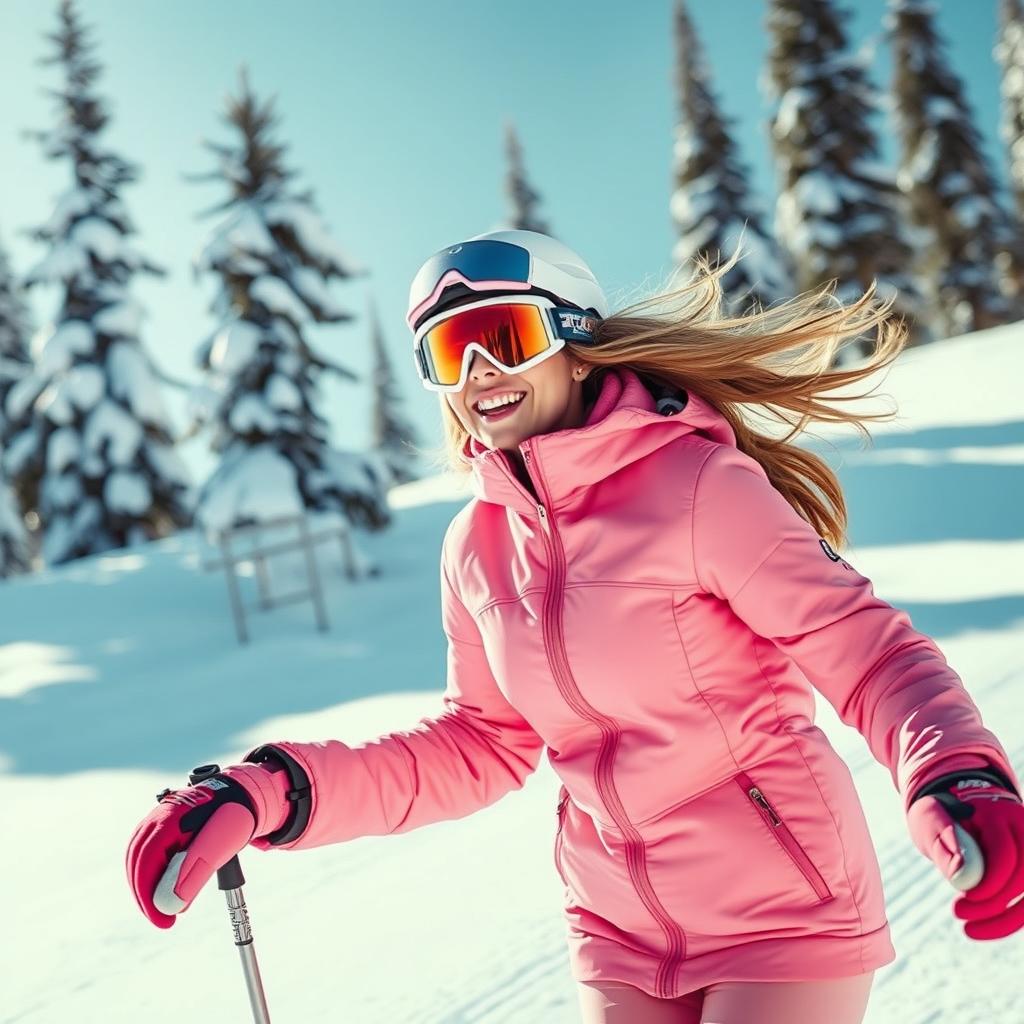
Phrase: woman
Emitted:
{"points": [[648, 588]]}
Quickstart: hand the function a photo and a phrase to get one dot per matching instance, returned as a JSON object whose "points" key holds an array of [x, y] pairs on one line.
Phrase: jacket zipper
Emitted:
{"points": [[636, 857], [785, 838]]}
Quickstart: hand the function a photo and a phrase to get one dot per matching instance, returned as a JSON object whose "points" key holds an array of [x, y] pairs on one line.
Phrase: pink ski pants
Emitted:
{"points": [[836, 1000]]}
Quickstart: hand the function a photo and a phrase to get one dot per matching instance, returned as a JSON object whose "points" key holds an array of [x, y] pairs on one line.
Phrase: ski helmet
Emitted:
{"points": [[499, 263]]}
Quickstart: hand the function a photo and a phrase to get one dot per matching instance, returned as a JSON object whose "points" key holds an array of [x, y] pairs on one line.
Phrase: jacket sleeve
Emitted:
{"points": [[467, 757], [887, 680]]}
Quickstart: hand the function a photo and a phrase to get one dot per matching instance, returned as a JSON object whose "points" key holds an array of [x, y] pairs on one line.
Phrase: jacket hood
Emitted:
{"points": [[622, 426]]}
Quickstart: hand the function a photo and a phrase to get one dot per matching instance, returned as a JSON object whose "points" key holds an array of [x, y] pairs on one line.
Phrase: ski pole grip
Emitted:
{"points": [[229, 876]]}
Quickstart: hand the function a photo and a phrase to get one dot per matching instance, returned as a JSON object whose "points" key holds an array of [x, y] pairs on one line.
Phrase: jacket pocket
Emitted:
{"points": [[562, 801], [785, 838]]}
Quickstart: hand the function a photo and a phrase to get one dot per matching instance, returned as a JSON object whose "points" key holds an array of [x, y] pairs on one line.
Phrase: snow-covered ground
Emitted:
{"points": [[119, 673]]}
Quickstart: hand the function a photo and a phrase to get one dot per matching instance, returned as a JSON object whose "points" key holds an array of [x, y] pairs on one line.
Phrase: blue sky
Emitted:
{"points": [[393, 114]]}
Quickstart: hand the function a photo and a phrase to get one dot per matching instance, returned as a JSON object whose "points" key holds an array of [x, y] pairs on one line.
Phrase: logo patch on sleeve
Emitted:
{"points": [[826, 547]]}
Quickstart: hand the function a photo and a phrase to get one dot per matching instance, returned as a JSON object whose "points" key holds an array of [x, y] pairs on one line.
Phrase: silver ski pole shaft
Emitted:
{"points": [[230, 879]]}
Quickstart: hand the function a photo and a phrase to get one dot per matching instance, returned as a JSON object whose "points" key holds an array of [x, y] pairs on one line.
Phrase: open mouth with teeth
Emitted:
{"points": [[504, 409]]}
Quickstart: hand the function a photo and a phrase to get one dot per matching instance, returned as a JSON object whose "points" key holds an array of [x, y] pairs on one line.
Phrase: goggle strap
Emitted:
{"points": [[572, 324]]}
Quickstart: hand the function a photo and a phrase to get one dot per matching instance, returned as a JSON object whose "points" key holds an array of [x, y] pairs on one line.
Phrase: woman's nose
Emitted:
{"points": [[480, 364]]}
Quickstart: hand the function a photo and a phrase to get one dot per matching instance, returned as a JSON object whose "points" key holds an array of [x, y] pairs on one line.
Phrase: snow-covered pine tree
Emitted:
{"points": [[274, 258], [1009, 52], [15, 540], [523, 200], [839, 212], [711, 205], [392, 435], [946, 176], [95, 457]]}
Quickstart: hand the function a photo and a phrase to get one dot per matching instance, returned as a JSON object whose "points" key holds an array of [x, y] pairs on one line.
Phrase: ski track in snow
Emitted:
{"points": [[524, 994]]}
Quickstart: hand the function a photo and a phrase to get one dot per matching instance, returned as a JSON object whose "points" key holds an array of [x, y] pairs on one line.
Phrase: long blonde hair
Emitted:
{"points": [[781, 359]]}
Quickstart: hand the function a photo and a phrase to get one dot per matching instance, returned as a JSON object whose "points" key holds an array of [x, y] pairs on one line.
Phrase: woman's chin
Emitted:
{"points": [[501, 439]]}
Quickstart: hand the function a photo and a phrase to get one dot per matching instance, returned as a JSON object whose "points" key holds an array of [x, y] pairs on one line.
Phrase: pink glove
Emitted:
{"points": [[972, 827], [193, 831]]}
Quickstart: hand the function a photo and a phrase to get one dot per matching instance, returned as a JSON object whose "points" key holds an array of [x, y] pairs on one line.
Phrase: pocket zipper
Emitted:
{"points": [[785, 838], [558, 835], [561, 810]]}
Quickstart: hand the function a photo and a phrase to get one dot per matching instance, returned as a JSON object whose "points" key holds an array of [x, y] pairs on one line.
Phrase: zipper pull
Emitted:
{"points": [[758, 797], [541, 510]]}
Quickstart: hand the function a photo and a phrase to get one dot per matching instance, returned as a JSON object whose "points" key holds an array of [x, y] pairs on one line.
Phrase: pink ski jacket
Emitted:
{"points": [[655, 614]]}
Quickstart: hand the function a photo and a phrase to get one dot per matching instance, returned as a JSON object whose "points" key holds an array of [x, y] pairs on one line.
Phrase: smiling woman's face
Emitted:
{"points": [[552, 400]]}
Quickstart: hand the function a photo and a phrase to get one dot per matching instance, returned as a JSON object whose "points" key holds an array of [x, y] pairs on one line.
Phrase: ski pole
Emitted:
{"points": [[230, 879]]}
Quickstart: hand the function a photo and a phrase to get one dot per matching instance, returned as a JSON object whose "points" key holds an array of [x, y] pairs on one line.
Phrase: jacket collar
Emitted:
{"points": [[622, 427]]}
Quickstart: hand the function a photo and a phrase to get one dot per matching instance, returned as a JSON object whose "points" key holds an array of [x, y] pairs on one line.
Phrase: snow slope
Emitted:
{"points": [[121, 672]]}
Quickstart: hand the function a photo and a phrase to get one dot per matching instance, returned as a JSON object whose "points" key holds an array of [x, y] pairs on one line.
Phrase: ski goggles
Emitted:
{"points": [[513, 333]]}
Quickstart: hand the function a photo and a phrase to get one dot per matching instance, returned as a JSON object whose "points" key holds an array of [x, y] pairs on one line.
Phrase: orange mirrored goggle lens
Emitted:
{"points": [[512, 333]]}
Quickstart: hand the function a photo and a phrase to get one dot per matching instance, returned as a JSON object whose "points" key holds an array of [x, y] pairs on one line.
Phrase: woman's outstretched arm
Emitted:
{"points": [[470, 755], [883, 677]]}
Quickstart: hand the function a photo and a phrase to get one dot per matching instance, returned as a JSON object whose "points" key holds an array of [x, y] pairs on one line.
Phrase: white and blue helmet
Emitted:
{"points": [[499, 263]]}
